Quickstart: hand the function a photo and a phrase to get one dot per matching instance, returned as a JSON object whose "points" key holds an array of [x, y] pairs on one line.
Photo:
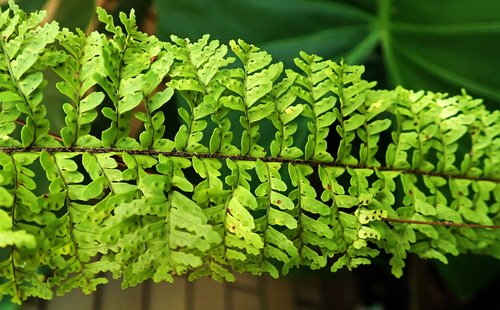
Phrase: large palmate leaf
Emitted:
{"points": [[436, 45]]}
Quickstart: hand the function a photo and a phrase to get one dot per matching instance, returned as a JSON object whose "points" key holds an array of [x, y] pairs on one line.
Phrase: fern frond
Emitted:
{"points": [[400, 171]]}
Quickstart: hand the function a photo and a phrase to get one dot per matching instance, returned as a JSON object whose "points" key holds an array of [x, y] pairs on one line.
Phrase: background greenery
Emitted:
{"points": [[441, 46]]}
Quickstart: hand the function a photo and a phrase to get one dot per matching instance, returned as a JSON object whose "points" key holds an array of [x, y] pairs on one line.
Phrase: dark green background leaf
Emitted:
{"points": [[436, 45]]}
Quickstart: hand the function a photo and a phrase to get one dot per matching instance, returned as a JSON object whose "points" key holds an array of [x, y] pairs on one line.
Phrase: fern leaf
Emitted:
{"points": [[21, 276], [195, 76], [315, 89], [77, 72], [240, 237], [248, 87], [285, 112], [155, 97], [140, 206], [126, 58], [26, 53]]}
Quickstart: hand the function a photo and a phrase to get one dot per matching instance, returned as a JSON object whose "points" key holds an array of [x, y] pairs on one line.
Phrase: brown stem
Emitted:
{"points": [[57, 137], [266, 159], [450, 224]]}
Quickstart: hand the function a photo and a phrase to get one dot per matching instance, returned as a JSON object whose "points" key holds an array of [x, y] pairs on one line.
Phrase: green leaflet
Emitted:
{"points": [[285, 111], [26, 52], [75, 248], [77, 74], [196, 75], [20, 232], [248, 86], [217, 199], [126, 62], [276, 225], [13, 238], [315, 89]]}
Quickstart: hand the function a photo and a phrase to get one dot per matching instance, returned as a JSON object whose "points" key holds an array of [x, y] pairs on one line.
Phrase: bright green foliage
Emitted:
{"points": [[246, 87], [316, 90], [82, 57], [197, 77], [217, 200], [126, 58], [25, 53]]}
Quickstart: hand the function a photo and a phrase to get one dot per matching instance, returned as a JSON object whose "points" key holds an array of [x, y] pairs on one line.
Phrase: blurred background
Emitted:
{"points": [[440, 46]]}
